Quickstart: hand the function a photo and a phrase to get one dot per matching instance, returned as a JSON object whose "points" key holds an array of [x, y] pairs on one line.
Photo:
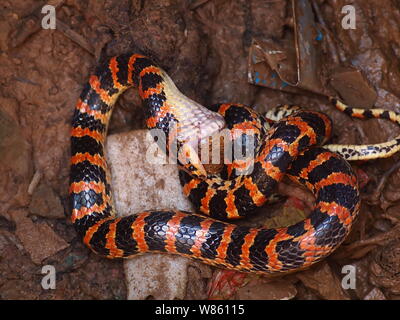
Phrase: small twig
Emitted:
{"points": [[31, 24], [24, 80], [34, 183], [74, 36], [363, 246], [392, 219], [378, 240]]}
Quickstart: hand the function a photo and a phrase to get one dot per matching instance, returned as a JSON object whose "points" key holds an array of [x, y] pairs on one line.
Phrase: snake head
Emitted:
{"points": [[193, 133]]}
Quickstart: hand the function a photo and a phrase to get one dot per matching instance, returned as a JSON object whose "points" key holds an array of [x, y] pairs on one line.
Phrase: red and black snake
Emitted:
{"points": [[288, 147]]}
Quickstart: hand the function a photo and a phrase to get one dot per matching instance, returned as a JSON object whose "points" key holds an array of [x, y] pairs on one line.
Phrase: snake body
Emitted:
{"points": [[289, 147]]}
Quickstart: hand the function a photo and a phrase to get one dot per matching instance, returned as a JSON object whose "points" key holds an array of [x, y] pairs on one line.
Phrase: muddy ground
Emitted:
{"points": [[204, 46]]}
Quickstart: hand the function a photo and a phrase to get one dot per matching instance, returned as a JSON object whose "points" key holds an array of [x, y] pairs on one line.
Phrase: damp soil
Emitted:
{"points": [[204, 46]]}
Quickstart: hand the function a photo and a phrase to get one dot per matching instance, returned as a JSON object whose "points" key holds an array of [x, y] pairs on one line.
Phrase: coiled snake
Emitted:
{"points": [[291, 146]]}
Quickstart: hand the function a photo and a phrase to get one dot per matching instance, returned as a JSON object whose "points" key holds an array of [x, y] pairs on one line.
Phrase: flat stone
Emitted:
{"points": [[140, 185]]}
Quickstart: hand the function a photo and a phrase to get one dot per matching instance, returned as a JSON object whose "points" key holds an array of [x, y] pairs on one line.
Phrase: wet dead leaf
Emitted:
{"points": [[261, 289], [353, 87], [322, 280], [385, 268], [39, 240], [46, 203]]}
